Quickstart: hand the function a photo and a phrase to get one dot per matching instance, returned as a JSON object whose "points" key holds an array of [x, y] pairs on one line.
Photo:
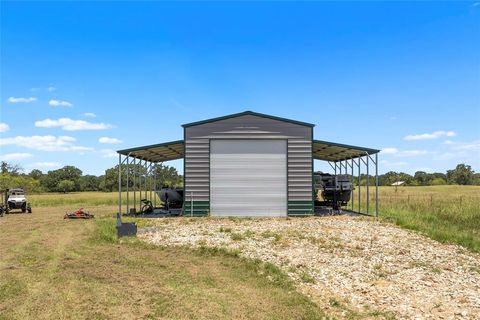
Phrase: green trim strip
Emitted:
{"points": [[200, 208], [300, 208], [245, 113]]}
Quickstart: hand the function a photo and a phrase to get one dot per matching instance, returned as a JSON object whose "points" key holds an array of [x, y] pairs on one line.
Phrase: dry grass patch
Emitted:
{"points": [[65, 269]]}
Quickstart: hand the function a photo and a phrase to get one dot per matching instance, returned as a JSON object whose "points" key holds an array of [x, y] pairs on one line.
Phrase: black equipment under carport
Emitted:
{"points": [[336, 190]]}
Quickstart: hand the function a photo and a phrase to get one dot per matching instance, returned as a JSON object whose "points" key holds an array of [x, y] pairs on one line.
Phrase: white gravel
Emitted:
{"points": [[347, 265]]}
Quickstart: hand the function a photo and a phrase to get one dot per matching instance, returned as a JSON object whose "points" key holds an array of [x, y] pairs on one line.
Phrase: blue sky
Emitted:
{"points": [[399, 76]]}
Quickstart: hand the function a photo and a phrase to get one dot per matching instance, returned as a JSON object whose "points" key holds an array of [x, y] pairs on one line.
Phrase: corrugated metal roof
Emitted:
{"points": [[322, 150], [331, 151], [245, 113], [167, 151]]}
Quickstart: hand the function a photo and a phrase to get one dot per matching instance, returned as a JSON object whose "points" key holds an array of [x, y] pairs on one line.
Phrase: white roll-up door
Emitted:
{"points": [[248, 178]]}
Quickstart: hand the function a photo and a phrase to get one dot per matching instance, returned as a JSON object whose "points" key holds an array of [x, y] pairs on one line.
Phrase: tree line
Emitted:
{"points": [[462, 174], [72, 179]]}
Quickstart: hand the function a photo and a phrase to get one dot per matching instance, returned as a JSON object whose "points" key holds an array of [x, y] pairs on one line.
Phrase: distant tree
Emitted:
{"points": [[439, 175], [168, 176], [437, 182], [462, 175], [165, 175], [476, 179], [9, 181], [36, 174], [89, 183], [53, 177], [65, 186], [422, 178], [13, 169]]}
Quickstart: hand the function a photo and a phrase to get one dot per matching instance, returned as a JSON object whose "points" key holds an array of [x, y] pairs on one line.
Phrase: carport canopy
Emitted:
{"points": [[173, 150], [167, 151], [331, 151]]}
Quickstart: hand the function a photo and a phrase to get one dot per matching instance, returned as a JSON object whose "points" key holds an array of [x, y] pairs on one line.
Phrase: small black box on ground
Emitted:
{"points": [[127, 230]]}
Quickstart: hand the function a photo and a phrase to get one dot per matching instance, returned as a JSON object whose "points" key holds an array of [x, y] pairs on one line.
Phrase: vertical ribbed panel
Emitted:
{"points": [[197, 169], [299, 176]]}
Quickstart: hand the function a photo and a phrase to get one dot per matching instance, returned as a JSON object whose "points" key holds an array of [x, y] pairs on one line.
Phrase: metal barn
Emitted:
{"points": [[246, 164]]}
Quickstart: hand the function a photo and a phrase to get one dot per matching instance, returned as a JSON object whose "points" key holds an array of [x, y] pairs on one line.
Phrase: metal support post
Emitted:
{"points": [[376, 185], [128, 182], [151, 181], [368, 187], [140, 184], [353, 189], [134, 185], [359, 186], [155, 187], [191, 204], [119, 183]]}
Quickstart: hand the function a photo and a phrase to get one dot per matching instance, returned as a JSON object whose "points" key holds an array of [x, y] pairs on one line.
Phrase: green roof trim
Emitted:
{"points": [[152, 146], [247, 113], [334, 144], [341, 151]]}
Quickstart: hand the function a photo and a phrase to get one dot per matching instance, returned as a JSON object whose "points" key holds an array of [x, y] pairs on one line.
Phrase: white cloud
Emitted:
{"points": [[89, 115], [44, 143], [403, 153], [4, 127], [411, 153], [14, 156], [51, 89], [108, 153], [37, 165], [71, 125], [109, 140], [469, 146], [433, 135], [393, 163], [59, 103], [390, 151], [21, 100]]}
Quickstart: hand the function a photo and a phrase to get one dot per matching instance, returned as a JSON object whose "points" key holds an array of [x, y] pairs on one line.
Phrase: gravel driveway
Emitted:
{"points": [[349, 266]]}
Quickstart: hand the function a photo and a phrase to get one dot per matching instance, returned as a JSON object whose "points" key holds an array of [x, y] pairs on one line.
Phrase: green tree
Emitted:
{"points": [[53, 177], [437, 182], [89, 183], [65, 186], [422, 178], [13, 169], [9, 181], [36, 174], [462, 175]]}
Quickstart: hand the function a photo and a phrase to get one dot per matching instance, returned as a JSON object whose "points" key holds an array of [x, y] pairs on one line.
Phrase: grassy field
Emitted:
{"points": [[444, 213], [51, 268], [77, 269]]}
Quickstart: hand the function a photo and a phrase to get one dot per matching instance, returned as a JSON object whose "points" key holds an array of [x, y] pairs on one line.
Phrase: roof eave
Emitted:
{"points": [[127, 151], [245, 113]]}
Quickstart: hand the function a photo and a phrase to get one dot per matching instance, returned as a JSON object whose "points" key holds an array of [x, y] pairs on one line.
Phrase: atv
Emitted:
{"points": [[16, 200]]}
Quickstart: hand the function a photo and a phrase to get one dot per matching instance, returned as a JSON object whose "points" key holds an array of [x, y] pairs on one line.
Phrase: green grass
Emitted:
{"points": [[449, 214], [53, 268], [83, 199]]}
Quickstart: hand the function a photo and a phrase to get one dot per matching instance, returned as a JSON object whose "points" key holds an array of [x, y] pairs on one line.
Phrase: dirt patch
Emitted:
{"points": [[349, 266]]}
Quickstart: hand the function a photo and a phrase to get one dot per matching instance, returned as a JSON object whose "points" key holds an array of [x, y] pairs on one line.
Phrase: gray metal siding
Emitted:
{"points": [[197, 150]]}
